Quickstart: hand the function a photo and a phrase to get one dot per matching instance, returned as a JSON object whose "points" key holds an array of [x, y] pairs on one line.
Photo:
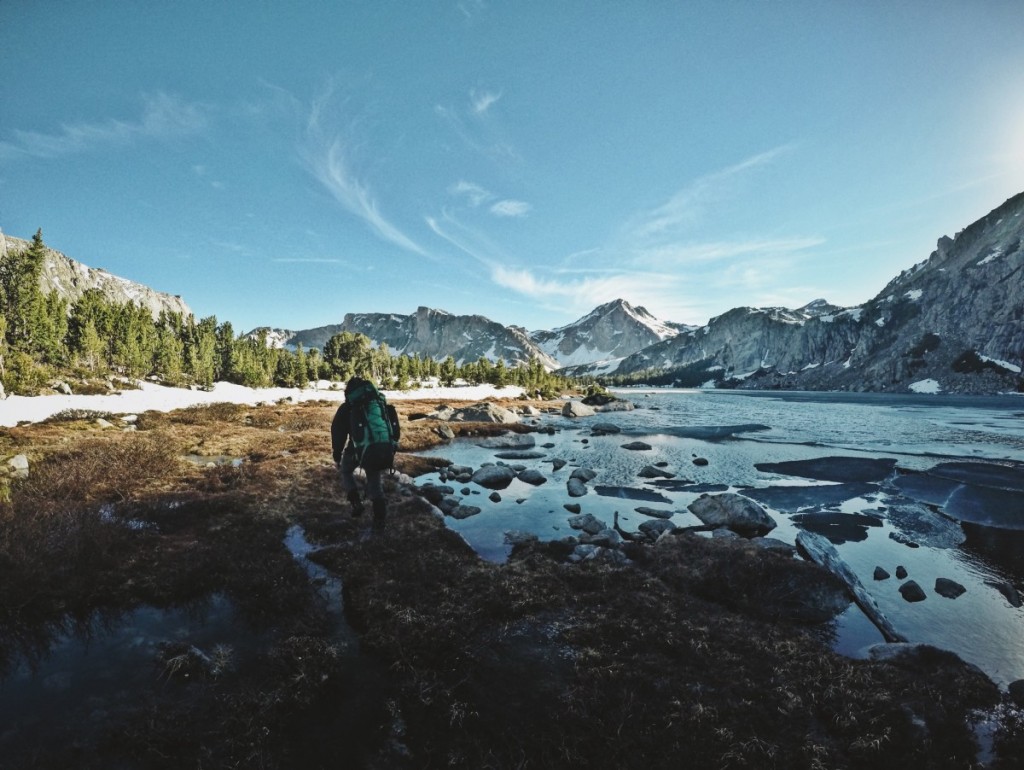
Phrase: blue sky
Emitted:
{"points": [[284, 163]]}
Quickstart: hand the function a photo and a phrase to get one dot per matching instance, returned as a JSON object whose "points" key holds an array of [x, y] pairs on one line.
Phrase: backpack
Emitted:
{"points": [[374, 425]]}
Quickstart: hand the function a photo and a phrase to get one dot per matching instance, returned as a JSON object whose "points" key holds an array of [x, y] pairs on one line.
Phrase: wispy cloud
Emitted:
{"points": [[482, 101], [474, 193], [308, 261], [163, 117], [689, 254], [511, 208], [688, 206], [326, 156]]}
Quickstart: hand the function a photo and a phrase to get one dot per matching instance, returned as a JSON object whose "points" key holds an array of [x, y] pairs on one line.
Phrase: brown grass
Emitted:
{"points": [[693, 656]]}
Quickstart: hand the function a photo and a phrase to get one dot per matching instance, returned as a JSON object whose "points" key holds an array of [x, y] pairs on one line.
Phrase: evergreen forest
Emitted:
{"points": [[44, 341]]}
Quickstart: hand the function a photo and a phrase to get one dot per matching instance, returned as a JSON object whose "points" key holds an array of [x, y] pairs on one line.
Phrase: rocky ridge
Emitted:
{"points": [[71, 279]]}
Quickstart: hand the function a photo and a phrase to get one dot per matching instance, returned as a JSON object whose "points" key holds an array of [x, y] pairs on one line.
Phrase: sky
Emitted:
{"points": [[285, 163]]}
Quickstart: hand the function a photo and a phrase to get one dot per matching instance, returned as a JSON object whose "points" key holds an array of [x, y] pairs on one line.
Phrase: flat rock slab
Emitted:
{"points": [[508, 441], [844, 469], [713, 432], [980, 493], [786, 498], [631, 493], [839, 528], [657, 513], [518, 454], [637, 446], [917, 523]]}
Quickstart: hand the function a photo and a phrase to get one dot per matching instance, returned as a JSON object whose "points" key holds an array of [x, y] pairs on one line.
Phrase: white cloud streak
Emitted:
{"points": [[163, 117], [511, 208], [327, 160], [482, 101]]}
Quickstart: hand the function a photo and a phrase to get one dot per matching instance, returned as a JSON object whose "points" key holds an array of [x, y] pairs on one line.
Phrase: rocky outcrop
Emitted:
{"points": [[954, 323], [435, 334], [71, 279]]}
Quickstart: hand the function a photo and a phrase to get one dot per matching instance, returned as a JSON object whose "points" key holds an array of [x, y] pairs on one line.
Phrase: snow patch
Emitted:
{"points": [[926, 386], [1006, 365], [914, 295], [159, 398], [991, 257], [880, 322]]}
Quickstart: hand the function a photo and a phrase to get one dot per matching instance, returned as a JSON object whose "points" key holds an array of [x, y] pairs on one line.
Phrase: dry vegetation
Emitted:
{"points": [[463, 663]]}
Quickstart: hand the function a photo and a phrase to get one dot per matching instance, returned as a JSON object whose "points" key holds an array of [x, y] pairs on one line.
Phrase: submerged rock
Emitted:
{"points": [[637, 446], [632, 493], [652, 472], [533, 477], [1007, 590], [838, 527], [842, 469]]}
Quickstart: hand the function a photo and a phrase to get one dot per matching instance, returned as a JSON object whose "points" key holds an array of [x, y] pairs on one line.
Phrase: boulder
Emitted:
{"points": [[576, 488], [881, 574], [948, 588], [485, 411], [604, 429], [18, 466], [583, 474], [655, 528], [652, 472], [517, 537], [533, 476], [577, 409], [448, 504], [637, 446], [493, 476], [572, 507], [901, 572], [619, 405], [508, 441], [494, 497], [464, 512], [445, 432], [736, 512], [1007, 590], [606, 538], [655, 512], [912, 592], [557, 464], [588, 523]]}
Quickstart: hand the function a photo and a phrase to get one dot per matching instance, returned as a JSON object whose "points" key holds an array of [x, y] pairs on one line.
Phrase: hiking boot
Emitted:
{"points": [[380, 512], [356, 503]]}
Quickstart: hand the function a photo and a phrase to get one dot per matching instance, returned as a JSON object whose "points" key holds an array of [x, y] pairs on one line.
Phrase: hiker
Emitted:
{"points": [[364, 432]]}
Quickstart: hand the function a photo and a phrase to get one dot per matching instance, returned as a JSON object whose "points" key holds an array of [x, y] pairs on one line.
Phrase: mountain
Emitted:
{"points": [[71, 279], [954, 321], [434, 334], [606, 334]]}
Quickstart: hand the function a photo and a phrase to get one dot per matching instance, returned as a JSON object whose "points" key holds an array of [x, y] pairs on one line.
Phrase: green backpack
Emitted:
{"points": [[374, 423]]}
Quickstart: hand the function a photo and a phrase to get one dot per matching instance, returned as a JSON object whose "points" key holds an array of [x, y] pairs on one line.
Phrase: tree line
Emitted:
{"points": [[43, 339]]}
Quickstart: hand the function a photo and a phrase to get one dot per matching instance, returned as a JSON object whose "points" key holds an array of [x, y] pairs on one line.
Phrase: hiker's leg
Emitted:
{"points": [[375, 492], [349, 463]]}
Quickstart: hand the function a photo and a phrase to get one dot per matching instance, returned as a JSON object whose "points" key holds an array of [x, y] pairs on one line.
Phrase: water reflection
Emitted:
{"points": [[876, 519]]}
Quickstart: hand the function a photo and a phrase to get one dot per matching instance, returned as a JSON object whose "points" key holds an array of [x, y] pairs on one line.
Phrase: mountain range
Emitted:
{"points": [[954, 323]]}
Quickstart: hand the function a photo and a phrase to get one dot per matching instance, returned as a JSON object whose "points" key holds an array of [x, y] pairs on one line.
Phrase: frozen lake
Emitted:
{"points": [[952, 507]]}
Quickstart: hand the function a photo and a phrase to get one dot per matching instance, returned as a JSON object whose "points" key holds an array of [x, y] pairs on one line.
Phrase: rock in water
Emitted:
{"points": [[736, 512]]}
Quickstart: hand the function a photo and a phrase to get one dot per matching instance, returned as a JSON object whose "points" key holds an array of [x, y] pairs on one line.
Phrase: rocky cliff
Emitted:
{"points": [[434, 334], [954, 322], [71, 279]]}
